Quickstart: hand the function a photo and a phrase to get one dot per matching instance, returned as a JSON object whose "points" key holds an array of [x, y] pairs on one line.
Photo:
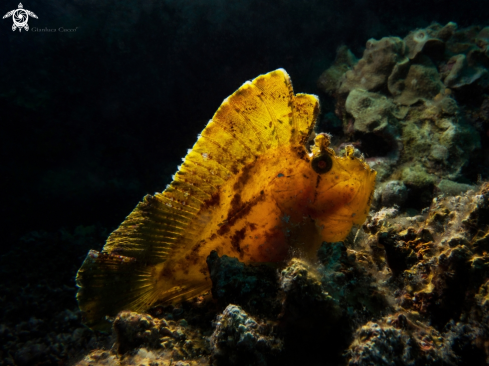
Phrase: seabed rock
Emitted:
{"points": [[252, 287], [238, 339]]}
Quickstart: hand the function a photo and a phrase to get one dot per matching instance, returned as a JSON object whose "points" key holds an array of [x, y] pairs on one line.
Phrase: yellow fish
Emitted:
{"points": [[249, 188]]}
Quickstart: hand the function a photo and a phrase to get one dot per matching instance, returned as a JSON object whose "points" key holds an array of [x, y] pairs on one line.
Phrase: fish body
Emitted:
{"points": [[249, 188]]}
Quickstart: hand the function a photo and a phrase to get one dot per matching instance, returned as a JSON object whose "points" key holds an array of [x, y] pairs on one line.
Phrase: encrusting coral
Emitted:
{"points": [[406, 95]]}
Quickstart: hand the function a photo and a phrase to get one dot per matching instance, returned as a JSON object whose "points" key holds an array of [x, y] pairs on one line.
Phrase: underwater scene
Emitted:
{"points": [[211, 182]]}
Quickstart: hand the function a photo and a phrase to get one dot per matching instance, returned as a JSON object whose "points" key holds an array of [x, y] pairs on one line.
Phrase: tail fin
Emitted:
{"points": [[111, 283]]}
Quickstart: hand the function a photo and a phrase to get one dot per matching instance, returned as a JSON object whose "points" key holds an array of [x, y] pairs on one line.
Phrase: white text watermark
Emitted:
{"points": [[52, 30]]}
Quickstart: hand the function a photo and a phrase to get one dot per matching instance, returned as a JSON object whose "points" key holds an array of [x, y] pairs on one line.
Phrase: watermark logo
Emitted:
{"points": [[20, 17]]}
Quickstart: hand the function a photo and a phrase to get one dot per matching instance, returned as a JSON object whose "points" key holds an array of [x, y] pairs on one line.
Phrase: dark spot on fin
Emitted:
{"points": [[236, 239], [238, 211], [213, 201], [243, 178]]}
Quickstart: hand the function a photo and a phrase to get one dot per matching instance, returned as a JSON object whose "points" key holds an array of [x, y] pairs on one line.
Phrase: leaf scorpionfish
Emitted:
{"points": [[249, 188]]}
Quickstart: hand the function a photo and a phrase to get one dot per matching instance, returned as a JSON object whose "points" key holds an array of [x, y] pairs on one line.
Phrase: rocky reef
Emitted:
{"points": [[415, 107], [436, 267], [403, 290]]}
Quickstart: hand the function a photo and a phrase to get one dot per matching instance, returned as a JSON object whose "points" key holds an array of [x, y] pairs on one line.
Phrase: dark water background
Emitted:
{"points": [[94, 119]]}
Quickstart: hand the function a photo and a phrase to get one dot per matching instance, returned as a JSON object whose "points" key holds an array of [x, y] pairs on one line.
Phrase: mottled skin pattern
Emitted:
{"points": [[249, 188], [289, 209]]}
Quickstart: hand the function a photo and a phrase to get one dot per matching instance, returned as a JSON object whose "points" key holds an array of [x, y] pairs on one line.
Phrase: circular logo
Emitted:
{"points": [[20, 18]]}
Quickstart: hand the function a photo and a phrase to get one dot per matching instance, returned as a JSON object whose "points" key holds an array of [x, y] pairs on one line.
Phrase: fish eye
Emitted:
{"points": [[322, 163]]}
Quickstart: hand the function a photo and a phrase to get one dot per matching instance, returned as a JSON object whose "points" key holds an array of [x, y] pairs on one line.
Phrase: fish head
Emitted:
{"points": [[334, 191], [343, 192]]}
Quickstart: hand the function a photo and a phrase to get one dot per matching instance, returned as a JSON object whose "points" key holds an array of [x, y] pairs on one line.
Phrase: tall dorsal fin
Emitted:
{"points": [[261, 115]]}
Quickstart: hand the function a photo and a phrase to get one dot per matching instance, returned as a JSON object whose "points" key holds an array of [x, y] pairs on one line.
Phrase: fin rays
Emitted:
{"points": [[261, 115]]}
